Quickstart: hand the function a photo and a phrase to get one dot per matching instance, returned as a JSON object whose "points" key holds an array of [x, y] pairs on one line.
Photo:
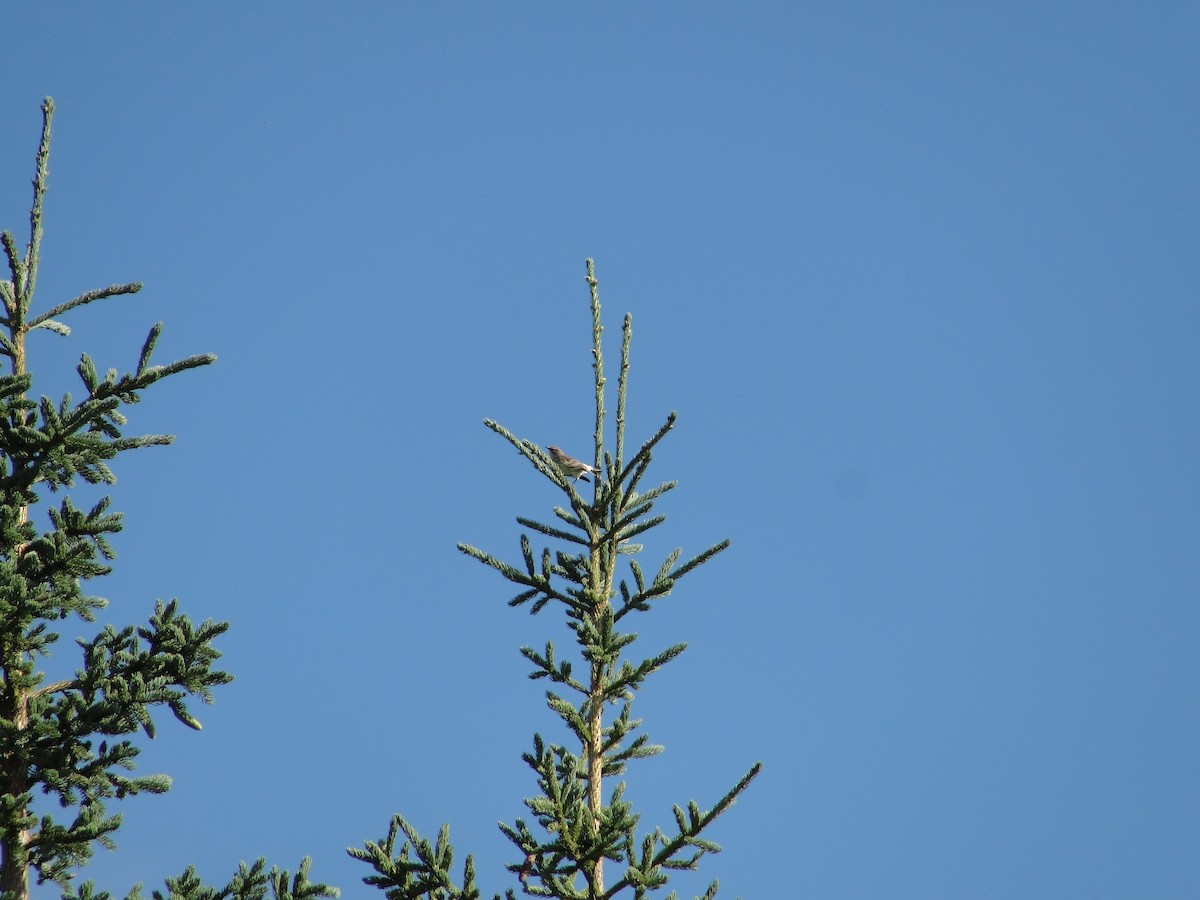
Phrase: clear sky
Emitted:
{"points": [[920, 280]]}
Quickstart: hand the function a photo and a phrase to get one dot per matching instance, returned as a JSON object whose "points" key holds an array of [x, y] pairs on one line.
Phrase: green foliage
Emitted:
{"points": [[68, 739], [420, 869], [248, 883], [577, 830]]}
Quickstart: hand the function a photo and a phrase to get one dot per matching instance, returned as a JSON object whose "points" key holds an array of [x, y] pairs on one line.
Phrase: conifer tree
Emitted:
{"points": [[577, 828], [70, 739]]}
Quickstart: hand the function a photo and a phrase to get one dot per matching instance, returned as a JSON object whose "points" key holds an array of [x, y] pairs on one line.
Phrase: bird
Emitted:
{"points": [[526, 867], [570, 466]]}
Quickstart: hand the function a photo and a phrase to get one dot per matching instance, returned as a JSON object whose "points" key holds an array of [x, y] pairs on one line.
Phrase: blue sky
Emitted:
{"points": [[920, 281]]}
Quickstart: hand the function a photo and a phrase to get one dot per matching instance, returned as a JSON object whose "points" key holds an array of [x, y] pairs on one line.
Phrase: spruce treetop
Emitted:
{"points": [[575, 828], [71, 739]]}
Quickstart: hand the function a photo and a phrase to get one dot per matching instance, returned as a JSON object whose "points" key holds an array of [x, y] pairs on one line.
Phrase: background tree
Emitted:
{"points": [[577, 827], [69, 739]]}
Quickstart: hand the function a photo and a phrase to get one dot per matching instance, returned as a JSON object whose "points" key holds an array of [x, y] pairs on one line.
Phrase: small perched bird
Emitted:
{"points": [[526, 867], [570, 466]]}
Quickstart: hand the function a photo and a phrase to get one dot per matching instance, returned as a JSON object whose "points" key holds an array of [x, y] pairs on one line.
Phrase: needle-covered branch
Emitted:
{"points": [[54, 444], [126, 673], [546, 668], [419, 869], [250, 882], [551, 531], [113, 290], [681, 851]]}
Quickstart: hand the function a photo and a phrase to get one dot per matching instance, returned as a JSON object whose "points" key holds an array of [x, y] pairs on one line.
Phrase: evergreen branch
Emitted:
{"points": [[147, 376], [638, 506], [635, 505], [12, 390], [640, 602], [646, 871], [122, 679], [630, 677], [569, 714], [148, 347], [113, 290], [528, 449], [622, 384], [539, 583], [51, 567], [664, 571], [697, 821], [53, 325], [640, 528], [428, 876], [638, 578], [546, 668], [56, 851], [597, 354], [507, 435], [250, 882], [7, 297], [662, 585], [572, 520], [488, 560], [299, 887], [600, 644], [617, 732], [699, 560], [142, 440], [189, 887], [642, 458], [638, 471], [56, 687], [56, 451], [546, 466], [96, 413], [638, 748], [578, 838], [652, 494], [33, 251], [13, 303], [551, 531], [87, 891], [526, 596]]}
